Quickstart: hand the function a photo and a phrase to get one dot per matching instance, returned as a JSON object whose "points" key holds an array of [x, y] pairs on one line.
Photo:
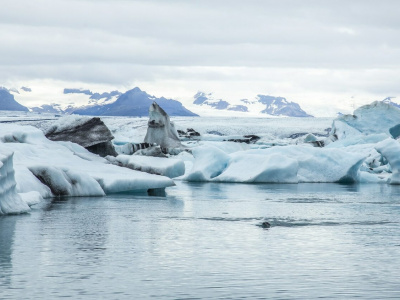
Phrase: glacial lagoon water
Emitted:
{"points": [[201, 241]]}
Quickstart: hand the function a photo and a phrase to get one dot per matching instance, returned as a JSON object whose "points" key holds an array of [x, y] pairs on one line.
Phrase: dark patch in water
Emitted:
{"points": [[229, 219], [311, 200], [305, 222]]}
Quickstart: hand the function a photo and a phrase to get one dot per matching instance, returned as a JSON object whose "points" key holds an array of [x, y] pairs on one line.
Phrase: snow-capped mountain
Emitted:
{"points": [[134, 102], [388, 100], [7, 101], [207, 99], [87, 96], [96, 98], [53, 108], [279, 106], [263, 104]]}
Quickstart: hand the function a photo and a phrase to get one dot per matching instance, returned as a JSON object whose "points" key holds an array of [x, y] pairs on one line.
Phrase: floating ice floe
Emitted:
{"points": [[63, 168], [287, 164], [355, 151]]}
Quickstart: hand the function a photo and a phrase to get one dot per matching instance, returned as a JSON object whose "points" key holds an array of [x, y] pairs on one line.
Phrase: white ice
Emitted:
{"points": [[286, 164], [390, 149], [375, 118], [160, 130], [357, 154], [66, 168], [10, 201], [154, 165]]}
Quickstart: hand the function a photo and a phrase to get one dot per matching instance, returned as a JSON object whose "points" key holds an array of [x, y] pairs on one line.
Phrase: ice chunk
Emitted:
{"points": [[209, 163], [65, 182], [119, 180], [390, 149], [340, 131], [160, 130], [63, 168], [227, 147], [287, 164], [358, 139], [274, 168], [90, 133], [31, 198], [67, 123], [10, 201], [154, 165], [377, 117]]}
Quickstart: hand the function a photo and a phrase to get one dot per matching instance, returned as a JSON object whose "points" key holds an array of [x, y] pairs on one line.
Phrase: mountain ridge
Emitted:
{"points": [[263, 104], [135, 102], [8, 102]]}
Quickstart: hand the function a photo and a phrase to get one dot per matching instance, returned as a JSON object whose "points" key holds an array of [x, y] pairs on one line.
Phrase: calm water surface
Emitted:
{"points": [[202, 241]]}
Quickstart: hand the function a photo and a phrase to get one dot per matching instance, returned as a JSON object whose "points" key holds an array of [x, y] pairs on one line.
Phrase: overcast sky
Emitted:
{"points": [[312, 52]]}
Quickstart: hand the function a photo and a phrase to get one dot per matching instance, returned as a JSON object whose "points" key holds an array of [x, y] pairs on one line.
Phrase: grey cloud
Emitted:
{"points": [[117, 42]]}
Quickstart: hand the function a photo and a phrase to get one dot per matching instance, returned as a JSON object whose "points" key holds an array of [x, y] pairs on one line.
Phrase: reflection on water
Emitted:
{"points": [[202, 241], [7, 228]]}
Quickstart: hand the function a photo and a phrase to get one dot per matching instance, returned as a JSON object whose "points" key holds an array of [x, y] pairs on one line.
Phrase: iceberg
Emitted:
{"points": [[161, 130], [286, 164], [375, 118], [10, 201], [63, 168], [209, 163], [90, 133]]}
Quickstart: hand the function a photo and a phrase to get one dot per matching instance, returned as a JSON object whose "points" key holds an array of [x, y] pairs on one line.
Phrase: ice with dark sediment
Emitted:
{"points": [[45, 168], [161, 130]]}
